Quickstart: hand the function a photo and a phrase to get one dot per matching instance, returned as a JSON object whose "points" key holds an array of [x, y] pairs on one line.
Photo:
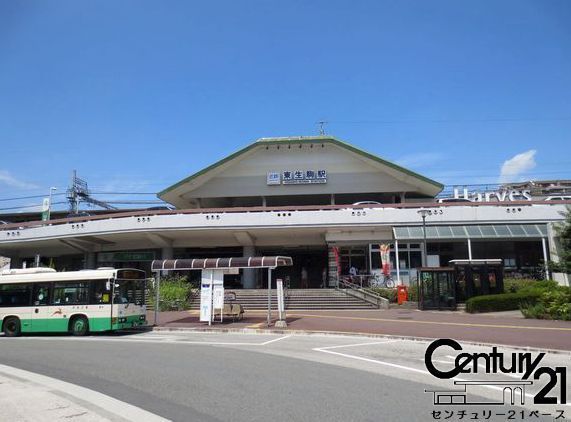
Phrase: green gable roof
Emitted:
{"points": [[305, 140]]}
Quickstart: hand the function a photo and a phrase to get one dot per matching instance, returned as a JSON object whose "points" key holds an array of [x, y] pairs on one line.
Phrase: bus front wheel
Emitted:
{"points": [[12, 327], [79, 326]]}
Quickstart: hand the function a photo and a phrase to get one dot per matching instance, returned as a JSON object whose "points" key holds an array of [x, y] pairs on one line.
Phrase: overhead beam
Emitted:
{"points": [[79, 245], [160, 240], [244, 238]]}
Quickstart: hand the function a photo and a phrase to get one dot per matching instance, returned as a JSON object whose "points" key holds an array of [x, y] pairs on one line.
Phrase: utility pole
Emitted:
{"points": [[423, 213], [50, 203]]}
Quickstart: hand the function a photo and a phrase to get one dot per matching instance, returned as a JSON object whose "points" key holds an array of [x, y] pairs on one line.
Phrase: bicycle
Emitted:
{"points": [[381, 280]]}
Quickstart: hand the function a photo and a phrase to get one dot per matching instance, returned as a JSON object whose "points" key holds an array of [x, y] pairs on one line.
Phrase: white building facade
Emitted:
{"points": [[326, 203]]}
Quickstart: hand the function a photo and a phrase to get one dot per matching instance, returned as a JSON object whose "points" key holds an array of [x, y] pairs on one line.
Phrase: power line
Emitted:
{"points": [[29, 206], [30, 197]]}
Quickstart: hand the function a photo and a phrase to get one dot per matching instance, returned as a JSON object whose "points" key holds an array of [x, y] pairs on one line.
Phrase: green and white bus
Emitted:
{"points": [[41, 300]]}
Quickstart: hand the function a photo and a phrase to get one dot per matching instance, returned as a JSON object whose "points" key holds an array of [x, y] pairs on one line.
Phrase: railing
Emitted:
{"points": [[145, 213], [358, 291]]}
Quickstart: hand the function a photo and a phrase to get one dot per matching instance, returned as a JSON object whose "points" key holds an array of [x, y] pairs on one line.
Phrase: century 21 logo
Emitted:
{"points": [[495, 362]]}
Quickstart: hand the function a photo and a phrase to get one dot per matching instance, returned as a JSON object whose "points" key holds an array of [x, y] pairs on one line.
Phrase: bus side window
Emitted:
{"points": [[71, 293], [41, 294], [99, 293], [15, 294]]}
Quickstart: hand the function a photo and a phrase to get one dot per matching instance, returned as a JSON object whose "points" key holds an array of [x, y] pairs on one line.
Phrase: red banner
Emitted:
{"points": [[385, 251]]}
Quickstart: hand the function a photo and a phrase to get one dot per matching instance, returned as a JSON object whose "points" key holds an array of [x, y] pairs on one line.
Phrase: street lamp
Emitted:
{"points": [[50, 202], [423, 213]]}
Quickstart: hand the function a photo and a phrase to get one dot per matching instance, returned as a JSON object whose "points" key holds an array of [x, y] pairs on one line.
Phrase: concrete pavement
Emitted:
{"points": [[496, 328], [203, 376], [29, 397]]}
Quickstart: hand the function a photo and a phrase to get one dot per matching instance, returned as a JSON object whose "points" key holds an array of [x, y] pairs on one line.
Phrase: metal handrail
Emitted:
{"points": [[369, 295]]}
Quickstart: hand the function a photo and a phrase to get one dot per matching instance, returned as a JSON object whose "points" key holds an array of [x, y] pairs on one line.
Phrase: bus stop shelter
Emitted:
{"points": [[213, 273]]}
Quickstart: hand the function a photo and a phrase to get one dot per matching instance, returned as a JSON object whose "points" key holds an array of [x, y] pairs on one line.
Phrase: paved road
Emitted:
{"points": [[497, 328], [242, 377]]}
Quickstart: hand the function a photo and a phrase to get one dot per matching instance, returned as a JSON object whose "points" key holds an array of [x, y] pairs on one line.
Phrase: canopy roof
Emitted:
{"points": [[495, 231], [222, 263]]}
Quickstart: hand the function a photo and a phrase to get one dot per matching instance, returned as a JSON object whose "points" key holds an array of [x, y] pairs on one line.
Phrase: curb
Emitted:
{"points": [[99, 403], [350, 334]]}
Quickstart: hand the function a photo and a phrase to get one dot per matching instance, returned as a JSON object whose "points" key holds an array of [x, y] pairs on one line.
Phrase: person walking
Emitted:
{"points": [[304, 283], [324, 278]]}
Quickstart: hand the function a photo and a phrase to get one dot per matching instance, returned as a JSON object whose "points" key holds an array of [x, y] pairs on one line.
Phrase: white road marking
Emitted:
{"points": [[274, 340], [96, 399], [394, 365], [379, 362], [358, 344], [150, 339]]}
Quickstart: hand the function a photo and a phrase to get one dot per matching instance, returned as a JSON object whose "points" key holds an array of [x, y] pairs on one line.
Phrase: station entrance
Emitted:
{"points": [[309, 269]]}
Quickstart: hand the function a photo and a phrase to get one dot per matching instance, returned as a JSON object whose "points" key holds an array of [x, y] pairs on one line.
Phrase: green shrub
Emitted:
{"points": [[413, 293], [175, 293], [554, 303], [502, 302], [514, 285], [390, 294]]}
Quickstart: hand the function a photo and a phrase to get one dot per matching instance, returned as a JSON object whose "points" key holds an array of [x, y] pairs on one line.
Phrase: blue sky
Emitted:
{"points": [[136, 95]]}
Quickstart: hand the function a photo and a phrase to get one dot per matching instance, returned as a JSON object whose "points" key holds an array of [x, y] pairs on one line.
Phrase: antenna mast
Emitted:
{"points": [[79, 192]]}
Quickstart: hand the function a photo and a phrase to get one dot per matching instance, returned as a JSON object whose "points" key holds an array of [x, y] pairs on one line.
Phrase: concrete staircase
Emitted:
{"points": [[297, 299]]}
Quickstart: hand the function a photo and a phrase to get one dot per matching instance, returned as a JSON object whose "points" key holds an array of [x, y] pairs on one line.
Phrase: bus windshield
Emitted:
{"points": [[129, 291]]}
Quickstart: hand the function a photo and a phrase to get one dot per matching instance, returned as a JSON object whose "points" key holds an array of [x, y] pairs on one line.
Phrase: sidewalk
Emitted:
{"points": [[29, 397], [22, 401], [507, 328]]}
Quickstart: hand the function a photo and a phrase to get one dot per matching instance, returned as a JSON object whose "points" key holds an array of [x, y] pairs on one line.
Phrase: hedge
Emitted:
{"points": [[391, 293], [553, 304], [502, 302]]}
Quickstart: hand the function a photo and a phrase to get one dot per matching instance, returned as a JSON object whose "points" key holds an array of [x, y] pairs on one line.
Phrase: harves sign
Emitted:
{"points": [[493, 196]]}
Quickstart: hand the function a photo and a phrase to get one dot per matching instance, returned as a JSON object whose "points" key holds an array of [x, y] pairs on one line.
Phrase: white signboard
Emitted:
{"points": [[218, 297], [274, 178], [297, 177], [280, 289], [211, 288], [206, 297]]}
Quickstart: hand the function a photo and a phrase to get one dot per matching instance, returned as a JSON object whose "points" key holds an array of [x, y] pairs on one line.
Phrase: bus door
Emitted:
{"points": [[40, 306]]}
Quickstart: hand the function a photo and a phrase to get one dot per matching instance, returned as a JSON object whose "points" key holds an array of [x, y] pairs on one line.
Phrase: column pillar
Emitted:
{"points": [[469, 249], [90, 259], [249, 274], [402, 197], [545, 260], [166, 253], [397, 261], [332, 270]]}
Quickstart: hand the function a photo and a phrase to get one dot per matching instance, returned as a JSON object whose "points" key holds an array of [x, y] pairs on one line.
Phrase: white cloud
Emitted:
{"points": [[7, 179], [421, 159], [517, 166]]}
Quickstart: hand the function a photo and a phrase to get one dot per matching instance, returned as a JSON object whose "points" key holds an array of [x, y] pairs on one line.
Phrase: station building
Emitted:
{"points": [[327, 204]]}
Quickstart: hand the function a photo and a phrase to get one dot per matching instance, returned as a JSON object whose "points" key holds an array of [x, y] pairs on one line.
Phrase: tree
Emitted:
{"points": [[564, 233]]}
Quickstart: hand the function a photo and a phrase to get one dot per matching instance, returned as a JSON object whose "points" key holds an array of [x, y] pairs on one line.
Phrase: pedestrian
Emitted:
{"points": [[324, 278], [303, 278]]}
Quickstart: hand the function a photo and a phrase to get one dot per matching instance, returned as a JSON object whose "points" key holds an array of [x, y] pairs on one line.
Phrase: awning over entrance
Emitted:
{"points": [[496, 231], [222, 263]]}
